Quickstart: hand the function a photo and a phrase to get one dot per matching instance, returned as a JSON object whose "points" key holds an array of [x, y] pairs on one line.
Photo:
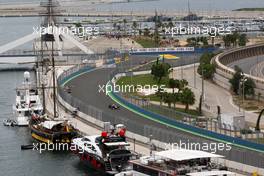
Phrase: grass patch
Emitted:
{"points": [[174, 113], [164, 112], [142, 80], [145, 42], [249, 104], [148, 79], [190, 111]]}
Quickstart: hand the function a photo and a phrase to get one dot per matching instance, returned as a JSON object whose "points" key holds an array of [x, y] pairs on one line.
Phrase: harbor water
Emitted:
{"points": [[17, 162], [13, 160]]}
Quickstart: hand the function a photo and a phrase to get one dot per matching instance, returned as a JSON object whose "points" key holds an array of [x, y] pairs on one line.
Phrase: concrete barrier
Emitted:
{"points": [[224, 73], [145, 140]]}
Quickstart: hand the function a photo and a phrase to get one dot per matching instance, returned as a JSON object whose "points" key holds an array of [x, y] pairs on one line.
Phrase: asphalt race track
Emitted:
{"points": [[86, 89]]}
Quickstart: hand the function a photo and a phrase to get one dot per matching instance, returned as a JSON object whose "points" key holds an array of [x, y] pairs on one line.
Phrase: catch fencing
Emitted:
{"points": [[166, 134]]}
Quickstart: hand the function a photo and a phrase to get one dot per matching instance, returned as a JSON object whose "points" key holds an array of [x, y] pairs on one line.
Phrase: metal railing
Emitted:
{"points": [[166, 134]]}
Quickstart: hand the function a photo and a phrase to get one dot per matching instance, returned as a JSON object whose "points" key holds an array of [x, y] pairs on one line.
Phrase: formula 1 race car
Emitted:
{"points": [[113, 107]]}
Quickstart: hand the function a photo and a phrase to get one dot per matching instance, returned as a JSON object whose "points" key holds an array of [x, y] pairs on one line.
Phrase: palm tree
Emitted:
{"points": [[227, 40], [187, 98], [176, 98], [168, 98], [134, 27], [160, 94], [125, 25], [182, 84], [173, 84]]}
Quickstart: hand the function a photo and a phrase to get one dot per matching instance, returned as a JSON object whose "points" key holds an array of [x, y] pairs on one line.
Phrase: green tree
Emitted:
{"points": [[140, 32], [227, 40], [242, 41], [175, 98], [173, 84], [182, 84], [249, 87], [160, 70], [206, 68], [208, 71], [125, 26], [77, 25], [134, 27], [168, 98], [187, 98], [160, 94], [235, 80], [235, 39]]}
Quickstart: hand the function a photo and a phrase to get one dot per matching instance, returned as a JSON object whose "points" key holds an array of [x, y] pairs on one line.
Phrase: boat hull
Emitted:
{"points": [[93, 163], [56, 137]]}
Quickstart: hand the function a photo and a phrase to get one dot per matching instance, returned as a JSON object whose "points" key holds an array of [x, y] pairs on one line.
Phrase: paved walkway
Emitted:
{"points": [[214, 95]]}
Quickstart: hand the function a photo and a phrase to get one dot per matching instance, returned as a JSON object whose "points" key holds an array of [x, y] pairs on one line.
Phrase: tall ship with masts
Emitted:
{"points": [[50, 127]]}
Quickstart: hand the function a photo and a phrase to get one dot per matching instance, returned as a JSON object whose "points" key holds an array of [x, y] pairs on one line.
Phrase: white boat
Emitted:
{"points": [[27, 101], [107, 153]]}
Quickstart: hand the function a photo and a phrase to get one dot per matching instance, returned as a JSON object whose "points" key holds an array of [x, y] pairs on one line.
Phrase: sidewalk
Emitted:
{"points": [[213, 95]]}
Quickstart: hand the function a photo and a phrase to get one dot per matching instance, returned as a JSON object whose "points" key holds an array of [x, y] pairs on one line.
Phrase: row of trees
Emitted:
{"points": [[183, 94], [235, 39], [197, 41]]}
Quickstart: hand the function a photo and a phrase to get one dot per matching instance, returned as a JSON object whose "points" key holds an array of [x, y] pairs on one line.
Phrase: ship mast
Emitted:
{"points": [[51, 23]]}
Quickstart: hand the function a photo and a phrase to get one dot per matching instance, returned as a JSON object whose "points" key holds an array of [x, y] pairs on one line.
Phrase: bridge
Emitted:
{"points": [[31, 53]]}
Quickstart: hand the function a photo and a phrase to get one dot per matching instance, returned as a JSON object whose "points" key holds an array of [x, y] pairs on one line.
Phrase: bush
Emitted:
{"points": [[206, 68]]}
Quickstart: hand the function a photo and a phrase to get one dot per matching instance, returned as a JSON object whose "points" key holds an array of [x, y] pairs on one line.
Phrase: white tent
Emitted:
{"points": [[182, 154], [209, 173]]}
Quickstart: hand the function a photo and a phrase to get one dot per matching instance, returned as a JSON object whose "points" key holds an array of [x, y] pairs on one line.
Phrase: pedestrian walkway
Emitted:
{"points": [[213, 95]]}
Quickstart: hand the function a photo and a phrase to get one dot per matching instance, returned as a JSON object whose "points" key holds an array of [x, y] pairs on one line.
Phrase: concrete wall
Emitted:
{"points": [[224, 73]]}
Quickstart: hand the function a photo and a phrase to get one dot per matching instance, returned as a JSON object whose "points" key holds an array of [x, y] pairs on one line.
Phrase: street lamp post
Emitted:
{"points": [[242, 83]]}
